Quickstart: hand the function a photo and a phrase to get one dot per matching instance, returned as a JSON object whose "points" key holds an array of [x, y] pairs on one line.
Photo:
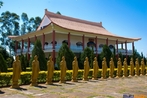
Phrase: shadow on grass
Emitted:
{"points": [[70, 83], [20, 89], [55, 85], [39, 86], [1, 92]]}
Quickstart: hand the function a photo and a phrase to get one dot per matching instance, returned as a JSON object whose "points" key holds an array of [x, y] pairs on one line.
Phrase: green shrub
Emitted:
{"points": [[3, 64]]}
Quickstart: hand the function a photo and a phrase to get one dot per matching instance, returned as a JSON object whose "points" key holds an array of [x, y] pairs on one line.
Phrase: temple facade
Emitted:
{"points": [[56, 29]]}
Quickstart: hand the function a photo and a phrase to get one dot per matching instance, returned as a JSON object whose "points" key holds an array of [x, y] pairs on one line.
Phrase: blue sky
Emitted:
{"points": [[126, 18]]}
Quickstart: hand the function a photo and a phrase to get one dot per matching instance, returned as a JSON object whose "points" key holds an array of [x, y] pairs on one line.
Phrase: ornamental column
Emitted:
{"points": [[22, 41], [126, 49], [117, 48], [107, 41], [96, 46], [16, 46], [53, 45], [35, 38], [28, 48], [133, 47], [83, 42], [69, 40], [43, 41], [121, 45]]}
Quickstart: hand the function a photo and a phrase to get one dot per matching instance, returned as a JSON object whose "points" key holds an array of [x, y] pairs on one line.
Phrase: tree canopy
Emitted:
{"points": [[37, 50], [67, 53]]}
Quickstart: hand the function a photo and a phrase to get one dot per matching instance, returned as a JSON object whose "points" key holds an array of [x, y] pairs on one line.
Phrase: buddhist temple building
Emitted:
{"points": [[56, 29]]}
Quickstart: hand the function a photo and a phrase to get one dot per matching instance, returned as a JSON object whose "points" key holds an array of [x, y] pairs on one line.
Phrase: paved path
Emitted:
{"points": [[110, 88]]}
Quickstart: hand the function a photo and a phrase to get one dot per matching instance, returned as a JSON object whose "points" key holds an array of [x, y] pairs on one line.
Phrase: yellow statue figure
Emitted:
{"points": [[137, 67], [35, 71], [95, 69], [16, 72], [131, 68], [142, 67], [119, 68], [104, 68], [75, 68], [63, 69], [111, 72], [86, 69], [50, 71], [125, 71]]}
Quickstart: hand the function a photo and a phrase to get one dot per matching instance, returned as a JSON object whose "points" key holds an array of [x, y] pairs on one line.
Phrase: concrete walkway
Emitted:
{"points": [[110, 88]]}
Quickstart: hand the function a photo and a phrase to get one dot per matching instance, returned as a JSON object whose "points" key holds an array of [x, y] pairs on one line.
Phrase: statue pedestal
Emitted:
{"points": [[34, 84], [15, 84]]}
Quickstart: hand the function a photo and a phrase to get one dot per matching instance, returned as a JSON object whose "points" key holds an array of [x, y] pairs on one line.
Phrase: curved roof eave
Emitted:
{"points": [[107, 36]]}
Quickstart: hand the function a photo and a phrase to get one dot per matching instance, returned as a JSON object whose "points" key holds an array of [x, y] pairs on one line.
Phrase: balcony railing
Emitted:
{"points": [[74, 48]]}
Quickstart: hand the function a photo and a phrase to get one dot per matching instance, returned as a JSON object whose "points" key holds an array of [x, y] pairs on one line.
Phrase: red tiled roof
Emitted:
{"points": [[77, 24]]}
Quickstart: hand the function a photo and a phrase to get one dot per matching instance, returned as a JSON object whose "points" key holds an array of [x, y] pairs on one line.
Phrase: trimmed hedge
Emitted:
{"points": [[5, 78]]}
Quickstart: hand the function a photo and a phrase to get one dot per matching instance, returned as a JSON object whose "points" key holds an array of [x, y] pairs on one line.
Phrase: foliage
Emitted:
{"points": [[10, 61], [23, 62], [37, 50], [114, 57], [67, 53], [4, 52], [29, 25], [106, 52], [1, 4], [136, 55], [3, 64], [9, 26], [87, 53]]}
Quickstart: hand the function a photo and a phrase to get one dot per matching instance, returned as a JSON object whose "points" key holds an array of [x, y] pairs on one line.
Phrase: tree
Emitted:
{"points": [[1, 4], [114, 57], [37, 50], [4, 52], [87, 53], [24, 26], [106, 52], [9, 26], [29, 25], [23, 62], [3, 64], [67, 53]]}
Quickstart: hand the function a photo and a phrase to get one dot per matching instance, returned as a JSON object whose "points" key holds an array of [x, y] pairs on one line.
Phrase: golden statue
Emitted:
{"points": [[119, 68], [16, 72], [35, 71], [111, 72], [75, 68], [63, 70], [137, 67], [86, 69], [125, 71], [50, 71], [142, 67], [131, 68], [104, 68], [95, 69]]}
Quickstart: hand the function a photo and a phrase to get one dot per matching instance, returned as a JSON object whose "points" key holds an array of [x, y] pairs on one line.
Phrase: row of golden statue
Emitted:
{"points": [[63, 68]]}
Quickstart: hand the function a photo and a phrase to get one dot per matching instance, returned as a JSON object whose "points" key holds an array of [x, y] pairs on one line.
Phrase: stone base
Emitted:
{"points": [[49, 83], [15, 86], [62, 81], [85, 79], [94, 78], [34, 84], [74, 80], [130, 76]]}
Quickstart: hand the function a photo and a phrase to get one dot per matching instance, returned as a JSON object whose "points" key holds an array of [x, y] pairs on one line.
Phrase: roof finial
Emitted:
{"points": [[45, 10], [101, 23]]}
